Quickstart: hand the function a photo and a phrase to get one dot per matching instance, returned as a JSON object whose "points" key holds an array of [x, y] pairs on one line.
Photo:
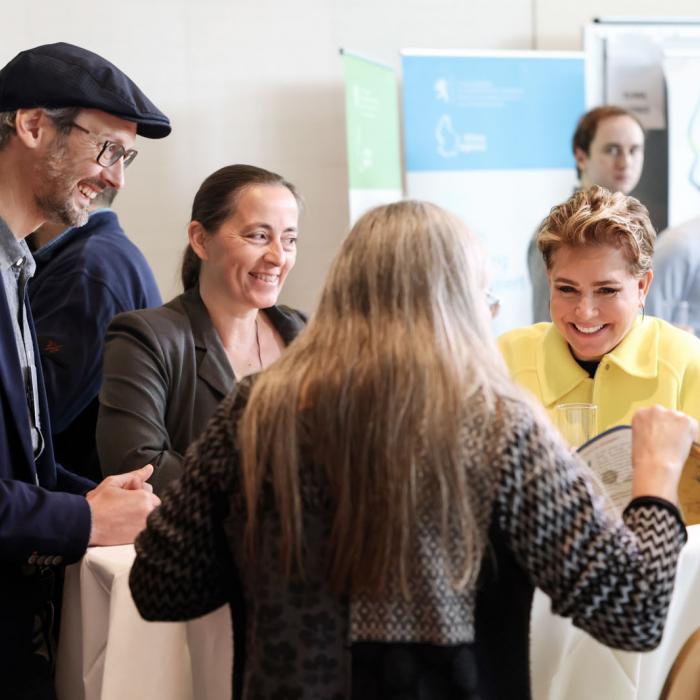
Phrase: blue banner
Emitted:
{"points": [[479, 112]]}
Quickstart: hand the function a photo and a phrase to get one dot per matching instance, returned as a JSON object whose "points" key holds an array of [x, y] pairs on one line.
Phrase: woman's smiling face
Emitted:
{"points": [[248, 257], [595, 298]]}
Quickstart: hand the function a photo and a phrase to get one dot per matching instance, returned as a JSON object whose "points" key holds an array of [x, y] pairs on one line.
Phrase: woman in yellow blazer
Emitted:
{"points": [[600, 348]]}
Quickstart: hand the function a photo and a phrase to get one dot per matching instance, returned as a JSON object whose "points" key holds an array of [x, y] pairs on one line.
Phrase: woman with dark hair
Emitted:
{"points": [[377, 506], [166, 369]]}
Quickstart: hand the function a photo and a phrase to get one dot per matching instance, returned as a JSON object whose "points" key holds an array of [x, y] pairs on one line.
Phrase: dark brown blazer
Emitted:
{"points": [[165, 372]]}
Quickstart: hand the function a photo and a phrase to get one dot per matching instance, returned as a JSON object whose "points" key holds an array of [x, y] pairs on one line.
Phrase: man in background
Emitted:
{"points": [[608, 146], [674, 294], [84, 276], [68, 125]]}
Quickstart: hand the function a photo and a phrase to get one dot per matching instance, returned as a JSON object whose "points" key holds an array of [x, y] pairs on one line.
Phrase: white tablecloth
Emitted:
{"points": [[569, 664], [108, 652]]}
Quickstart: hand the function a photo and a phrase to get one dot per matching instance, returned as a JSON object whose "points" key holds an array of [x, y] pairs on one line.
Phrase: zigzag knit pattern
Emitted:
{"points": [[184, 567], [613, 577]]}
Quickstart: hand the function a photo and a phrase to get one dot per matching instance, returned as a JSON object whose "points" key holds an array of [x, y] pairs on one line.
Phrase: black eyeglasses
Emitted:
{"points": [[111, 152]]}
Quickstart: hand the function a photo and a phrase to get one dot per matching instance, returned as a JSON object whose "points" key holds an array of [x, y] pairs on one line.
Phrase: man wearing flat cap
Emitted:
{"points": [[68, 123]]}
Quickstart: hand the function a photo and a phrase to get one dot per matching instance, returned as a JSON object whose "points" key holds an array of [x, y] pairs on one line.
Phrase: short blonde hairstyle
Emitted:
{"points": [[598, 217]]}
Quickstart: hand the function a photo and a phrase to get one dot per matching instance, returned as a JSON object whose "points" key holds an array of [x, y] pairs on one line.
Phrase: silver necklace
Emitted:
{"points": [[257, 342]]}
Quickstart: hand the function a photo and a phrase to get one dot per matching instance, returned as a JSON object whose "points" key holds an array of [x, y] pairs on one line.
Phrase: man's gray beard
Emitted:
{"points": [[55, 202], [61, 212]]}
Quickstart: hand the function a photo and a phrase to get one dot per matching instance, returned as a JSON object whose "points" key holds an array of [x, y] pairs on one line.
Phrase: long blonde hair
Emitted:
{"points": [[383, 375]]}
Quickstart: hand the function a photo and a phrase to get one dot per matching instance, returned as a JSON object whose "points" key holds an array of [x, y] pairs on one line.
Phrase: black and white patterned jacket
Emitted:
{"points": [[295, 639]]}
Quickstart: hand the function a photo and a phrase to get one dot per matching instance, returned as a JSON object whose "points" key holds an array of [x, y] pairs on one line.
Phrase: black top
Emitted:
{"points": [[589, 366]]}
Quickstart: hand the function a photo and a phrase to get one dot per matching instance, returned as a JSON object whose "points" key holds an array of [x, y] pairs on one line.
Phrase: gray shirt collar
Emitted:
{"points": [[13, 251]]}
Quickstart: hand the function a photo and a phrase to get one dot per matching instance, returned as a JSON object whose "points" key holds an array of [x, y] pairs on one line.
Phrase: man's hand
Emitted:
{"points": [[120, 505], [661, 440]]}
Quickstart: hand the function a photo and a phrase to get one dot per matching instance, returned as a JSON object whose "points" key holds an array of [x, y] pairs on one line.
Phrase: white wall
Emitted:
{"points": [[261, 82]]}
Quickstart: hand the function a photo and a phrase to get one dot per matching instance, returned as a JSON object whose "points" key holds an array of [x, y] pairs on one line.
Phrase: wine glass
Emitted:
{"points": [[577, 422]]}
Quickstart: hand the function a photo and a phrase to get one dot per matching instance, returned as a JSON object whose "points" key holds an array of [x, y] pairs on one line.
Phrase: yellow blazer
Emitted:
{"points": [[655, 363]]}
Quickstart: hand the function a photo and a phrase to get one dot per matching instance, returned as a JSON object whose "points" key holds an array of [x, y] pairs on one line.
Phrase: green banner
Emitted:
{"points": [[373, 137]]}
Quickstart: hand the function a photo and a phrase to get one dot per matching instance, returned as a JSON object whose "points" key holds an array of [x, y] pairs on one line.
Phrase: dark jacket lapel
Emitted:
{"points": [[213, 366], [11, 379]]}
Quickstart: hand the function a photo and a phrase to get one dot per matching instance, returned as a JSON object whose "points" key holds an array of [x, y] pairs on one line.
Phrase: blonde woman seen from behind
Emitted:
{"points": [[377, 506]]}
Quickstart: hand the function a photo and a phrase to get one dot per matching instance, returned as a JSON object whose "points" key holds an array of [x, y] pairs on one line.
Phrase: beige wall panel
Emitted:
{"points": [[256, 81]]}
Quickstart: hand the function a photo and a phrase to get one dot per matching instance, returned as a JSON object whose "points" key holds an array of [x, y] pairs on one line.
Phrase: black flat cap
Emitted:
{"points": [[63, 75]]}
